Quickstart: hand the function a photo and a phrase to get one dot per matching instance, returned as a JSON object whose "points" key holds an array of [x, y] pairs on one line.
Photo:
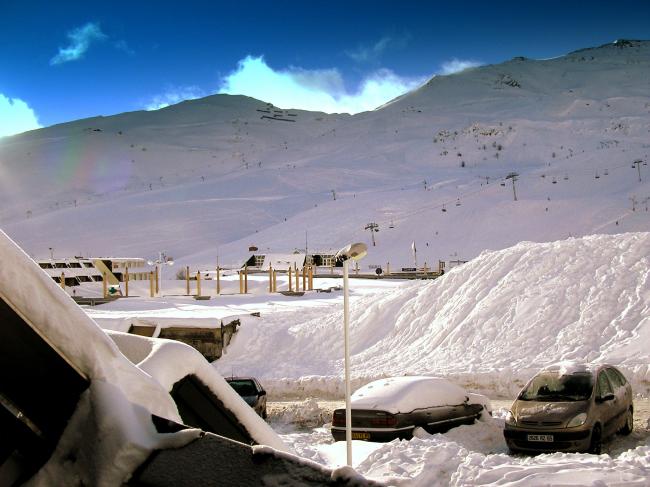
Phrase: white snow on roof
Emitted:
{"points": [[405, 394], [112, 423]]}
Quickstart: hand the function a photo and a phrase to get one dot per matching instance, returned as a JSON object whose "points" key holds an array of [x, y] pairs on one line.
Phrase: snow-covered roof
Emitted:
{"points": [[405, 394], [114, 414], [282, 262]]}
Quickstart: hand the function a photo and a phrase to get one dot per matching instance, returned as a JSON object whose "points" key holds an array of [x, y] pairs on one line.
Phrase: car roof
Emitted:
{"points": [[405, 394], [568, 367], [240, 378]]}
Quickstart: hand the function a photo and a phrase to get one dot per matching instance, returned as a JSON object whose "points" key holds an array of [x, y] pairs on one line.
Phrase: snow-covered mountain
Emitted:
{"points": [[211, 176]]}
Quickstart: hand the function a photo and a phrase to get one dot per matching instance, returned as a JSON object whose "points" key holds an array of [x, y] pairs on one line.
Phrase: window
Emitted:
{"points": [[615, 378], [604, 386]]}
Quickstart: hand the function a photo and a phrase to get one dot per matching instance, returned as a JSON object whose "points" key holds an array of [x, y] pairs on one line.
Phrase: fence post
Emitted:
{"points": [[311, 278], [290, 280], [187, 280], [295, 268], [198, 283], [105, 285], [241, 282], [246, 279], [304, 278], [62, 280], [218, 280], [275, 281], [157, 286], [151, 286], [270, 279], [126, 282], [387, 268]]}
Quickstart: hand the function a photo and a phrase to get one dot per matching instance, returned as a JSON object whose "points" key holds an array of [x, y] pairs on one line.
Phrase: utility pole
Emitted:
{"points": [[638, 163], [633, 200], [373, 227], [514, 176]]}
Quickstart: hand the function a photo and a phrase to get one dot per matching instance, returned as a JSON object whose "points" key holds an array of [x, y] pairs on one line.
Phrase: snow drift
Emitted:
{"points": [[493, 322]]}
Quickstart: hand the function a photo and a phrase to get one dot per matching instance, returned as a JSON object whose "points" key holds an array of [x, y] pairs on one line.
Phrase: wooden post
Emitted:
{"points": [[295, 268], [218, 280], [62, 280], [187, 280], [275, 281], [387, 268], [290, 280], [304, 278], [425, 269], [241, 282], [151, 286], [105, 285], [311, 278], [246, 279], [126, 282], [198, 283], [270, 279], [157, 286]]}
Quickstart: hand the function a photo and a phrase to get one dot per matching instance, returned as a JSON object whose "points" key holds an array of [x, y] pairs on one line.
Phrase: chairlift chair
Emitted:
{"points": [[443, 208], [554, 181], [597, 176], [458, 202], [566, 177], [606, 173]]}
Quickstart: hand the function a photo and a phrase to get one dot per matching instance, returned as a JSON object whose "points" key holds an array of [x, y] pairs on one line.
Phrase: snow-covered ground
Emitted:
{"points": [[488, 325]]}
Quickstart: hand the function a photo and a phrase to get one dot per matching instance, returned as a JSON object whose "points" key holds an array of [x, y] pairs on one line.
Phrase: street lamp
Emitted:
{"points": [[162, 260], [354, 252]]}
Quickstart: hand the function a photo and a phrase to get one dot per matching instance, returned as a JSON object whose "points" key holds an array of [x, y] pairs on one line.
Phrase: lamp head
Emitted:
{"points": [[355, 251]]}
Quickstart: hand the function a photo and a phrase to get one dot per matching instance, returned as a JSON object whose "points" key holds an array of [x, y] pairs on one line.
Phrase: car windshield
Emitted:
{"points": [[553, 387], [243, 387]]}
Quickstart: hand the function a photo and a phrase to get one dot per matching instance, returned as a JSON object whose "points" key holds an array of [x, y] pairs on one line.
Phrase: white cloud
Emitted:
{"points": [[16, 116], [80, 40], [174, 95], [364, 54], [318, 90], [457, 65]]}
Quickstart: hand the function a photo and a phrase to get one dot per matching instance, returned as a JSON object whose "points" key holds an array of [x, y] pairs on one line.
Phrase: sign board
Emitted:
{"points": [[409, 269]]}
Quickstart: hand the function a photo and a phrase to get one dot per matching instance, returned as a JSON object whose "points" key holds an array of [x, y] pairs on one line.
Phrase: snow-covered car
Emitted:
{"points": [[251, 391], [393, 407], [570, 407]]}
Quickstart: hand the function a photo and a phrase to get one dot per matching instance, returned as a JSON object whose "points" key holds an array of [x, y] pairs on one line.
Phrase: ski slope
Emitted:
{"points": [[206, 178]]}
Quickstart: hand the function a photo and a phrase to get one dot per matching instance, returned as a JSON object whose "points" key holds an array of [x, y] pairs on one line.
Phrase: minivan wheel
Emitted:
{"points": [[596, 444], [629, 423]]}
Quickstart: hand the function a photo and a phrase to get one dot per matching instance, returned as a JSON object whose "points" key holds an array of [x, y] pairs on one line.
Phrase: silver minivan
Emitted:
{"points": [[570, 407]]}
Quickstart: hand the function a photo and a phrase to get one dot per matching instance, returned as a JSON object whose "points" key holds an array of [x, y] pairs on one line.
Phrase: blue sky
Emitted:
{"points": [[67, 60]]}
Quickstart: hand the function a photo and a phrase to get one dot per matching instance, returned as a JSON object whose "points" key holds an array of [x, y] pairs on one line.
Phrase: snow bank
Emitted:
{"points": [[489, 324]]}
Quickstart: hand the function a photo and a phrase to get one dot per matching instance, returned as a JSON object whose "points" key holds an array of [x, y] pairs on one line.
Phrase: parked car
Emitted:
{"points": [[250, 389], [392, 408], [570, 407]]}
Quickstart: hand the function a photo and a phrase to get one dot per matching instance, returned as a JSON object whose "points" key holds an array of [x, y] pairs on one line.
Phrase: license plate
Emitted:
{"points": [[360, 436], [544, 438]]}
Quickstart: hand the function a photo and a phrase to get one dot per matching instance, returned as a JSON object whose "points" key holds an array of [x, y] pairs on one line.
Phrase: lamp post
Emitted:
{"points": [[354, 252], [162, 260]]}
